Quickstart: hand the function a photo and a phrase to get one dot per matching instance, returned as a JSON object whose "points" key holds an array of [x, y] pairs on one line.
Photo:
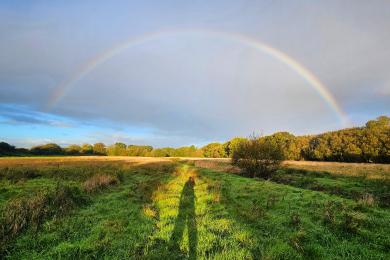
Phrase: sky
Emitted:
{"points": [[175, 73]]}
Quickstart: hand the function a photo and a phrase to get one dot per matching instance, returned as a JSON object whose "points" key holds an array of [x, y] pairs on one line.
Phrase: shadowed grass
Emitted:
{"points": [[351, 187], [294, 223], [186, 219]]}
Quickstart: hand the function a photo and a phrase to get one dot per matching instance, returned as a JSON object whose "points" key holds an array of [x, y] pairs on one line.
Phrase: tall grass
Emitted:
{"points": [[99, 182], [31, 211]]}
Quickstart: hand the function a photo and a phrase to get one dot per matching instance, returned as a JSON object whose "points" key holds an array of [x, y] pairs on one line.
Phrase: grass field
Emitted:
{"points": [[158, 208]]}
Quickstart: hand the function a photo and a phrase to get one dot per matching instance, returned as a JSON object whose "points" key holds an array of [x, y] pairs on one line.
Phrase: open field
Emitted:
{"points": [[170, 208]]}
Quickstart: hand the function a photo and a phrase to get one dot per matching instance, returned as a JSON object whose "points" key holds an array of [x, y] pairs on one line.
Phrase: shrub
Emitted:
{"points": [[257, 157], [99, 182]]}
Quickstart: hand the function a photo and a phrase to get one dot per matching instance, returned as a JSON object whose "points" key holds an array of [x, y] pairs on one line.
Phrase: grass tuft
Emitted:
{"points": [[367, 200], [352, 222], [295, 219], [297, 240]]}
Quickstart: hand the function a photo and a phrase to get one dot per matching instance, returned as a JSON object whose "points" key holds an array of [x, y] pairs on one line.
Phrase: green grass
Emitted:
{"points": [[345, 186], [176, 211]]}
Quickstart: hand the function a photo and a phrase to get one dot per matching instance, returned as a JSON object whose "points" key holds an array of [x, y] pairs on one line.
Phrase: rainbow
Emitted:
{"points": [[62, 89]]}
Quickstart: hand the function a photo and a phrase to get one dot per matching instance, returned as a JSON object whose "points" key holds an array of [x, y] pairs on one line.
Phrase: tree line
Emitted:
{"points": [[369, 143]]}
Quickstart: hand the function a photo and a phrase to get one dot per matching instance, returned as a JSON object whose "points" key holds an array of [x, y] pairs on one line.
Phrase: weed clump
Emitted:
{"points": [[215, 190], [295, 219], [352, 222], [297, 240], [271, 201], [149, 211], [329, 216], [99, 182], [144, 190], [367, 200], [329, 213]]}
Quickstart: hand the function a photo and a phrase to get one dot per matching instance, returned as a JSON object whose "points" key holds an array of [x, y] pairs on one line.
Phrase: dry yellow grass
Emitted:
{"points": [[367, 170], [222, 165], [77, 160], [98, 182]]}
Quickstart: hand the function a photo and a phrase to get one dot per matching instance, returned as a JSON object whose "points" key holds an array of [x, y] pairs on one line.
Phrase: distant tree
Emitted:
{"points": [[287, 143], [6, 149], [350, 146], [163, 152], [117, 149], [87, 149], [47, 149], [319, 148], [139, 150], [99, 149], [214, 150], [73, 149], [231, 145], [187, 151], [301, 147], [195, 151], [376, 140], [370, 143], [257, 157], [381, 122], [22, 151]]}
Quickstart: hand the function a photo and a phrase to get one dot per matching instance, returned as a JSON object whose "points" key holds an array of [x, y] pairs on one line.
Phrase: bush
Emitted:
{"points": [[257, 157]]}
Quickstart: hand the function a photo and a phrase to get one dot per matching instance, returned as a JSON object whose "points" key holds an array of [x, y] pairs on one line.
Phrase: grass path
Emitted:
{"points": [[192, 223]]}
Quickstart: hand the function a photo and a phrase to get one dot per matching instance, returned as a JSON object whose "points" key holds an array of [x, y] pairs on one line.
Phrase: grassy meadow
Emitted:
{"points": [[158, 208]]}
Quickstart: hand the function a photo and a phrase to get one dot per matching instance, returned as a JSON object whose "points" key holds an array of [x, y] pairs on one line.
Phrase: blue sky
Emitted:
{"points": [[193, 87]]}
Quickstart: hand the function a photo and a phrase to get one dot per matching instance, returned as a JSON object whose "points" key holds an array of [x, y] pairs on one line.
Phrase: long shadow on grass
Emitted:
{"points": [[186, 217]]}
